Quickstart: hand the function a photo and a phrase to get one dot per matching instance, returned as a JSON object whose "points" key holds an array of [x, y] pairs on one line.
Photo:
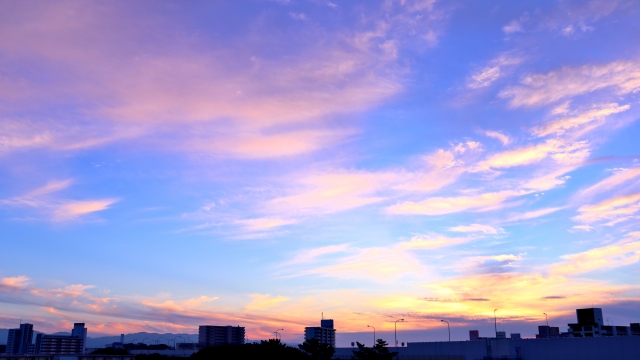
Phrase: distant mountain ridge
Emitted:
{"points": [[102, 341]]}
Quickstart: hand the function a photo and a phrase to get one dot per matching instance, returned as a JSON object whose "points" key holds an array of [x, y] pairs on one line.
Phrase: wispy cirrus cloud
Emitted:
{"points": [[376, 263], [621, 253], [534, 214], [56, 209], [493, 71], [180, 91], [598, 114], [490, 230], [613, 182], [542, 89], [613, 210]]}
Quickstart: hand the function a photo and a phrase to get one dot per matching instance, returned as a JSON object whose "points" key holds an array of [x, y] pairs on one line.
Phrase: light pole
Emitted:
{"points": [[146, 345], [395, 331], [495, 321], [374, 334], [174, 342], [448, 328], [276, 332]]}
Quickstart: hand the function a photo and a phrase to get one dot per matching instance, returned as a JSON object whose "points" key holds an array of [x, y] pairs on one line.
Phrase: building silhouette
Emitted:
{"points": [[19, 340], [63, 344], [325, 334], [209, 335]]}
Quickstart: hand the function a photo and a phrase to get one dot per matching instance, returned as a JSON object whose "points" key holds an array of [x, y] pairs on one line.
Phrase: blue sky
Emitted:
{"points": [[171, 164]]}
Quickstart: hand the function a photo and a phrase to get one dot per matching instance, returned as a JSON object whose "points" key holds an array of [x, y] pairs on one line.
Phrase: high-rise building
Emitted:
{"points": [[474, 335], [209, 335], [18, 340], [325, 334]]}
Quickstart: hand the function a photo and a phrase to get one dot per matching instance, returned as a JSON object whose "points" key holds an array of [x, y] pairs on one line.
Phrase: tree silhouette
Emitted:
{"points": [[316, 350], [378, 352]]}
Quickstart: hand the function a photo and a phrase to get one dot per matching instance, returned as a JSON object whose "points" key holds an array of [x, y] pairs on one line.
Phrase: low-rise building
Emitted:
{"points": [[63, 344], [210, 335]]}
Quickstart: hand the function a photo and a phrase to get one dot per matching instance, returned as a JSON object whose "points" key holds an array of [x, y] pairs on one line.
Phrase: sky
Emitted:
{"points": [[169, 164]]}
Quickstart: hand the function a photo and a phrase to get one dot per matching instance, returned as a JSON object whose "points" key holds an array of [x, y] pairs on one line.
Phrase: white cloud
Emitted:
{"points": [[541, 89], [534, 214], [492, 72], [490, 230], [504, 139], [448, 205], [512, 27]]}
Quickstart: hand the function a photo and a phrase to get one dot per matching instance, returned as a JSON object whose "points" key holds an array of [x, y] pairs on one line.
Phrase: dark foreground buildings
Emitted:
{"points": [[19, 342], [209, 335]]}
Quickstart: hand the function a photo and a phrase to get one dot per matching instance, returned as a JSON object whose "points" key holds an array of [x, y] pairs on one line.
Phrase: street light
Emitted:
{"points": [[495, 321], [143, 341], [374, 334], [448, 328], [276, 332], [174, 342], [395, 331]]}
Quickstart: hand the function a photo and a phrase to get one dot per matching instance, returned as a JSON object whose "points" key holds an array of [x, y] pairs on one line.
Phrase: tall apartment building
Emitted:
{"points": [[325, 334], [210, 335], [62, 344], [19, 340]]}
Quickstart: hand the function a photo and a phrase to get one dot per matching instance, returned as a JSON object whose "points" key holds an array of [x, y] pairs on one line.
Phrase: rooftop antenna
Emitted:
{"points": [[322, 315]]}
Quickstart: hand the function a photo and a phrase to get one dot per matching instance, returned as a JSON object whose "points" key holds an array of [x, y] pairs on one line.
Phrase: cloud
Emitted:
{"points": [[492, 72], [43, 199], [583, 227], [333, 192], [616, 209], [534, 214], [447, 205], [260, 224], [71, 210], [596, 114], [610, 183], [308, 256], [558, 150], [622, 253], [525, 292], [477, 228], [265, 301], [125, 79], [378, 263], [16, 282], [512, 27], [504, 139], [298, 16], [542, 89]]}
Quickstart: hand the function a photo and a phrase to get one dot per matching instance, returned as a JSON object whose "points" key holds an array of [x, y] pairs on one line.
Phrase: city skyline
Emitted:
{"points": [[171, 164]]}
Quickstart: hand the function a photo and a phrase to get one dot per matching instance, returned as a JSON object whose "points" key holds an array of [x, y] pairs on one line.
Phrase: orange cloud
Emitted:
{"points": [[264, 301]]}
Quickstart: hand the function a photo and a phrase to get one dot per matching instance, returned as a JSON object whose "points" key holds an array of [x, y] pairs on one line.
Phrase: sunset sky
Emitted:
{"points": [[169, 164]]}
